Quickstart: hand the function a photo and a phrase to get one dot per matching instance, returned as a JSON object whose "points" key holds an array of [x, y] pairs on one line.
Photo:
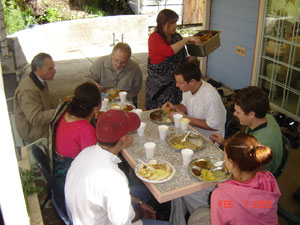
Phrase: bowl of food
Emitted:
{"points": [[193, 141], [209, 169]]}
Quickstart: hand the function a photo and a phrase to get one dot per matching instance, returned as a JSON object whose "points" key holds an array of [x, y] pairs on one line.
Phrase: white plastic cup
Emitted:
{"points": [[184, 124], [104, 105], [123, 95], [141, 129], [138, 112], [163, 131], [177, 117], [186, 156], [150, 148]]}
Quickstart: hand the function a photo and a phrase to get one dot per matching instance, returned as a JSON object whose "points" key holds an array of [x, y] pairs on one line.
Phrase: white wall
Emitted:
{"points": [[11, 194]]}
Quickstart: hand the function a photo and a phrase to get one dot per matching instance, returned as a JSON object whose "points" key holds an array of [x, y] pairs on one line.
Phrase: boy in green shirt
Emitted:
{"points": [[251, 106]]}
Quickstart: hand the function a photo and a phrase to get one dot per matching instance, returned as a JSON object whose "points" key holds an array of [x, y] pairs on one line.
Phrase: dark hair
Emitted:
{"points": [[189, 71], [113, 144], [124, 47], [163, 17], [86, 97], [252, 99], [245, 151], [38, 60]]}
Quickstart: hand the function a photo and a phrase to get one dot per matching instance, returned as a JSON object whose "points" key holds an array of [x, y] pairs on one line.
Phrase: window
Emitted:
{"points": [[279, 70]]}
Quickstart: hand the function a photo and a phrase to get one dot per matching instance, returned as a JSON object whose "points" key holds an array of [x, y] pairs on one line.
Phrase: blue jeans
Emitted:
{"points": [[155, 222], [140, 191]]}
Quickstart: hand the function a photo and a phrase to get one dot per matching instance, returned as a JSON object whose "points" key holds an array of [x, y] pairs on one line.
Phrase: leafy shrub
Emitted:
{"points": [[112, 7], [51, 15], [13, 17]]}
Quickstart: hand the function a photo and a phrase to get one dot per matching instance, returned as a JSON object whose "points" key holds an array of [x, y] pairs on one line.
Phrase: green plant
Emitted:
{"points": [[29, 18], [13, 17], [94, 10], [112, 7], [51, 15], [28, 178]]}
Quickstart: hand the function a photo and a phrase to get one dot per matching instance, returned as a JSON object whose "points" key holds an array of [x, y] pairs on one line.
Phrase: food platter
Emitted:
{"points": [[111, 93], [209, 169], [161, 116], [193, 141], [127, 107], [163, 171]]}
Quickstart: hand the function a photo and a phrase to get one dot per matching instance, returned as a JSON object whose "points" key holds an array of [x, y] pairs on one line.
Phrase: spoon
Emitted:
{"points": [[149, 167], [184, 139]]}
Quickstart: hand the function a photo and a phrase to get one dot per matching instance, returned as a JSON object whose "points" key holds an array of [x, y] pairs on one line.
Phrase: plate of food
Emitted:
{"points": [[193, 141], [111, 93], [209, 169], [161, 116], [163, 171], [127, 107]]}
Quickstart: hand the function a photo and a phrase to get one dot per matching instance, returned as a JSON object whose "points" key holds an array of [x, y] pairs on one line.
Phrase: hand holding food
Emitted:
{"points": [[167, 105]]}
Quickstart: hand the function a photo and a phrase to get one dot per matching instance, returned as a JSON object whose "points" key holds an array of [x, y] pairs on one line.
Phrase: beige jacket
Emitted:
{"points": [[33, 109]]}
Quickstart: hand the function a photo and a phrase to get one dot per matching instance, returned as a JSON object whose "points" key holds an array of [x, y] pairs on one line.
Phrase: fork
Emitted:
{"points": [[184, 139], [149, 167]]}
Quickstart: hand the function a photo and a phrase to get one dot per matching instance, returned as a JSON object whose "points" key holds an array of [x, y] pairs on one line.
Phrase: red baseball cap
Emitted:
{"points": [[114, 124]]}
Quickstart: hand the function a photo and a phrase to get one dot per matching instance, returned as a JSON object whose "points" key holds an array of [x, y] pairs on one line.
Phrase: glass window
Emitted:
{"points": [[279, 73]]}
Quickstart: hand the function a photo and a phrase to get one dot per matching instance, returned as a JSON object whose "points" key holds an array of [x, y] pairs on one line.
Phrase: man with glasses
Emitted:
{"points": [[119, 71]]}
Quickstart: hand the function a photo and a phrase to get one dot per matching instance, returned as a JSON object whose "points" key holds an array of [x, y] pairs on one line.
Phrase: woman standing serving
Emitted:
{"points": [[251, 196], [166, 51]]}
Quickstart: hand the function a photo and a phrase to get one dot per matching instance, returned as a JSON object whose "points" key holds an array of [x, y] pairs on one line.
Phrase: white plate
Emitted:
{"points": [[155, 181]]}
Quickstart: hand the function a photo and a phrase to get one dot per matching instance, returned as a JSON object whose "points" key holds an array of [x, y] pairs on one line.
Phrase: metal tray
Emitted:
{"points": [[208, 47], [208, 165], [192, 142]]}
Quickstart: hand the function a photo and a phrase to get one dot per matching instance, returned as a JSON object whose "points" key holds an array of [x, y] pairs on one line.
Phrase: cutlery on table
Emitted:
{"points": [[149, 167], [184, 139]]}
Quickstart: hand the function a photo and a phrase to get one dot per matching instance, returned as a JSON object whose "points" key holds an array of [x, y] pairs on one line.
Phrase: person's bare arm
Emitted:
{"points": [[180, 44], [199, 123], [179, 108]]}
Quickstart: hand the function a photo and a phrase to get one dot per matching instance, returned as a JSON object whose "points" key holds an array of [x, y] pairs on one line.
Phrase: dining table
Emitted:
{"points": [[183, 182]]}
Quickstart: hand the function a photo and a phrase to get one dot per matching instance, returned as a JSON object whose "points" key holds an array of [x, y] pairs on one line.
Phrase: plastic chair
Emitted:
{"points": [[285, 156], [58, 201], [60, 208], [229, 118], [289, 217]]}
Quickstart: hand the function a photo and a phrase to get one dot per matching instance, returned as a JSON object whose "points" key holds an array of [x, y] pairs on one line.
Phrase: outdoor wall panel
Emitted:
{"points": [[237, 19]]}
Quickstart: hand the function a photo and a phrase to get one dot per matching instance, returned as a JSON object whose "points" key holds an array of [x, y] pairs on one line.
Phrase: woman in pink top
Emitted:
{"points": [[250, 197], [75, 131], [166, 52]]}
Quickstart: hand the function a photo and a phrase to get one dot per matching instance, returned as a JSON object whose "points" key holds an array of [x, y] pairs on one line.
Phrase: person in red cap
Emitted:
{"points": [[96, 190]]}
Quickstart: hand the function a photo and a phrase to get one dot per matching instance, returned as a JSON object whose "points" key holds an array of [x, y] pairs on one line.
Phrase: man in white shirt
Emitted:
{"points": [[96, 190], [201, 103]]}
